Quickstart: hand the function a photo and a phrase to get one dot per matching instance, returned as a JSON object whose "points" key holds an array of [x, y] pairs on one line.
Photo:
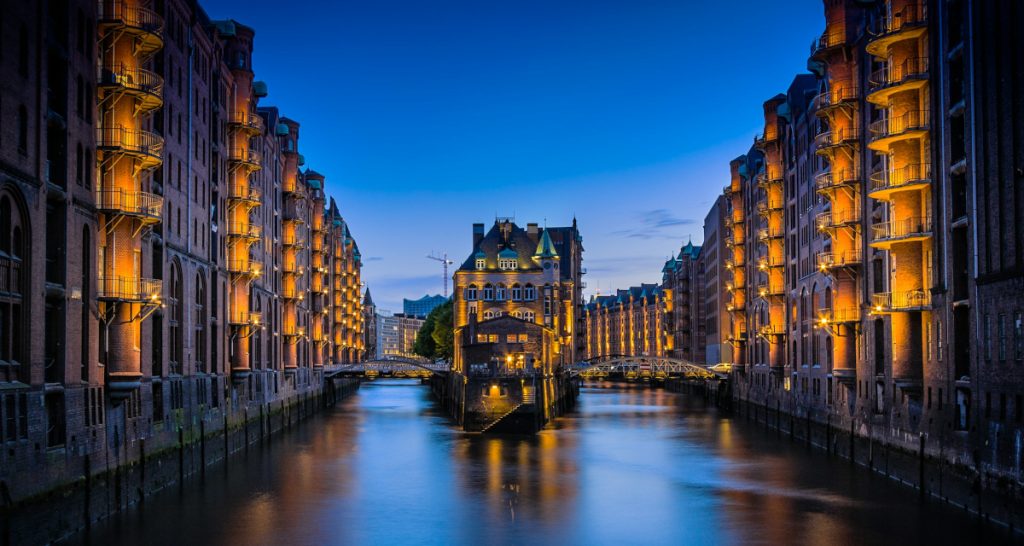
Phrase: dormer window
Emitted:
{"points": [[480, 264], [507, 264]]}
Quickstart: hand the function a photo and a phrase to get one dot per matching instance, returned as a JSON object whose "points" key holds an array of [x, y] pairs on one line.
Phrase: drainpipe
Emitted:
{"points": [[969, 55]]}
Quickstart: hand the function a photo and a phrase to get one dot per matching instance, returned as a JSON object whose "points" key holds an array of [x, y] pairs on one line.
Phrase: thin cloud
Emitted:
{"points": [[655, 224]]}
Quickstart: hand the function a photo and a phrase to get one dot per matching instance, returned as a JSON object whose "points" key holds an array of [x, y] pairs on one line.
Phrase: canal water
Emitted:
{"points": [[631, 466]]}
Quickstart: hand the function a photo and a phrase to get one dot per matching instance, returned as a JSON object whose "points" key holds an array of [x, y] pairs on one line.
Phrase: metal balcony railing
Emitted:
{"points": [[243, 267], [130, 203], [907, 175], [895, 74], [840, 93], [842, 258], [116, 13], [836, 179], [771, 288], [135, 142], [915, 226], [847, 314], [765, 234], [128, 289], [247, 121], [242, 318], [908, 300], [245, 156], [247, 230], [910, 15], [770, 262], [912, 120], [772, 330], [769, 206], [828, 39], [843, 136], [132, 79], [837, 219], [245, 192]]}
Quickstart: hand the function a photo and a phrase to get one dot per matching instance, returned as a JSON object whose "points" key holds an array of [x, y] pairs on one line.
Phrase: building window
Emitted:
{"points": [[510, 338], [488, 293], [530, 293], [1002, 337], [471, 293], [22, 130], [481, 263], [500, 294], [506, 264], [517, 292], [522, 338]]}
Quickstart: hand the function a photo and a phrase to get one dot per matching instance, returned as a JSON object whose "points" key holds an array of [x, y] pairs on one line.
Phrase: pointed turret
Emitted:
{"points": [[545, 248]]}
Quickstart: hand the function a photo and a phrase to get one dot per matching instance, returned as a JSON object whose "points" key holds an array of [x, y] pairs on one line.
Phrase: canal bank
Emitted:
{"points": [[870, 445], [630, 465], [182, 449]]}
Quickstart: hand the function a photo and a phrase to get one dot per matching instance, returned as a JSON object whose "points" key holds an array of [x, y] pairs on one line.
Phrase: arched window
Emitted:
{"points": [[86, 298], [471, 292], [176, 319], [13, 276], [488, 292], [200, 322], [517, 292], [488, 314], [501, 293], [529, 293], [529, 316]]}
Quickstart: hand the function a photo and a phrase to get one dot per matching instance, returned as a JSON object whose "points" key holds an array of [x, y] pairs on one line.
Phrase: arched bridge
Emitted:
{"points": [[392, 366], [640, 367]]}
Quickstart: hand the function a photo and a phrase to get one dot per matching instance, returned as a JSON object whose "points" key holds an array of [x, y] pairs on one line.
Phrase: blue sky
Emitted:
{"points": [[426, 117]]}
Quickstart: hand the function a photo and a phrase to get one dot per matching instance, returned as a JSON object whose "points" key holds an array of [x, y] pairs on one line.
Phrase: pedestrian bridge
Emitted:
{"points": [[639, 368], [391, 366]]}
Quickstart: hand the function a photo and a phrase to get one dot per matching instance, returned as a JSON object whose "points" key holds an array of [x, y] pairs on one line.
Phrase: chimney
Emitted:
{"points": [[478, 234], [531, 230]]}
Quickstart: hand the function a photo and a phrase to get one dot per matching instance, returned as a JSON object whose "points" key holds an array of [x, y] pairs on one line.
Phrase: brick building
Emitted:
{"points": [[632, 322], [875, 247], [164, 259]]}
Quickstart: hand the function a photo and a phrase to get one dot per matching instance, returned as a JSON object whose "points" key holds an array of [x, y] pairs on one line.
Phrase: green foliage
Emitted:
{"points": [[436, 338], [444, 331], [424, 344]]}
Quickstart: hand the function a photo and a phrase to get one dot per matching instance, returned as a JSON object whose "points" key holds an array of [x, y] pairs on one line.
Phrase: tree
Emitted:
{"points": [[424, 344], [444, 331]]}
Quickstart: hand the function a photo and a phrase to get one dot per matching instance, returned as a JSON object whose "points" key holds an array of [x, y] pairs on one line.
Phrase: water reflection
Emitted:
{"points": [[633, 465]]}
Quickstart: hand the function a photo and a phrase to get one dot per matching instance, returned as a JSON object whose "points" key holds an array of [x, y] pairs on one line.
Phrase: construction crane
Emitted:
{"points": [[445, 262]]}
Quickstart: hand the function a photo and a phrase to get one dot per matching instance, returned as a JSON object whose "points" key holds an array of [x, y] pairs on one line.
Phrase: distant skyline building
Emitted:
{"points": [[423, 306], [396, 333]]}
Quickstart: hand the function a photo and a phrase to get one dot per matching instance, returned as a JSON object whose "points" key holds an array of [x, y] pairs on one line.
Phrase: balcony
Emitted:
{"points": [[885, 132], [907, 75], [767, 234], [828, 141], [907, 230], [294, 187], [144, 25], [838, 316], [843, 178], [144, 147], [147, 207], [290, 238], [293, 211], [247, 123], [829, 221], [129, 289], [830, 39], [244, 157], [769, 137], [769, 177], [839, 259], [843, 94], [146, 87], [909, 300], [737, 216], [769, 206], [289, 293], [727, 191], [770, 262], [244, 268], [771, 289], [885, 183], [245, 230], [248, 193], [245, 318], [772, 330], [905, 24]]}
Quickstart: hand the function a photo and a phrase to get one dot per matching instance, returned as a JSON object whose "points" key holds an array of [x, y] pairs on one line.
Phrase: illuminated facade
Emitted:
{"points": [[874, 281], [633, 322], [165, 265]]}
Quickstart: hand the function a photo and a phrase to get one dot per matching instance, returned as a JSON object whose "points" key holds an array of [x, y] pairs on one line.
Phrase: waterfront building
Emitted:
{"points": [[632, 322], [714, 263], [877, 282], [683, 281], [396, 334], [423, 306], [517, 308], [163, 259]]}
